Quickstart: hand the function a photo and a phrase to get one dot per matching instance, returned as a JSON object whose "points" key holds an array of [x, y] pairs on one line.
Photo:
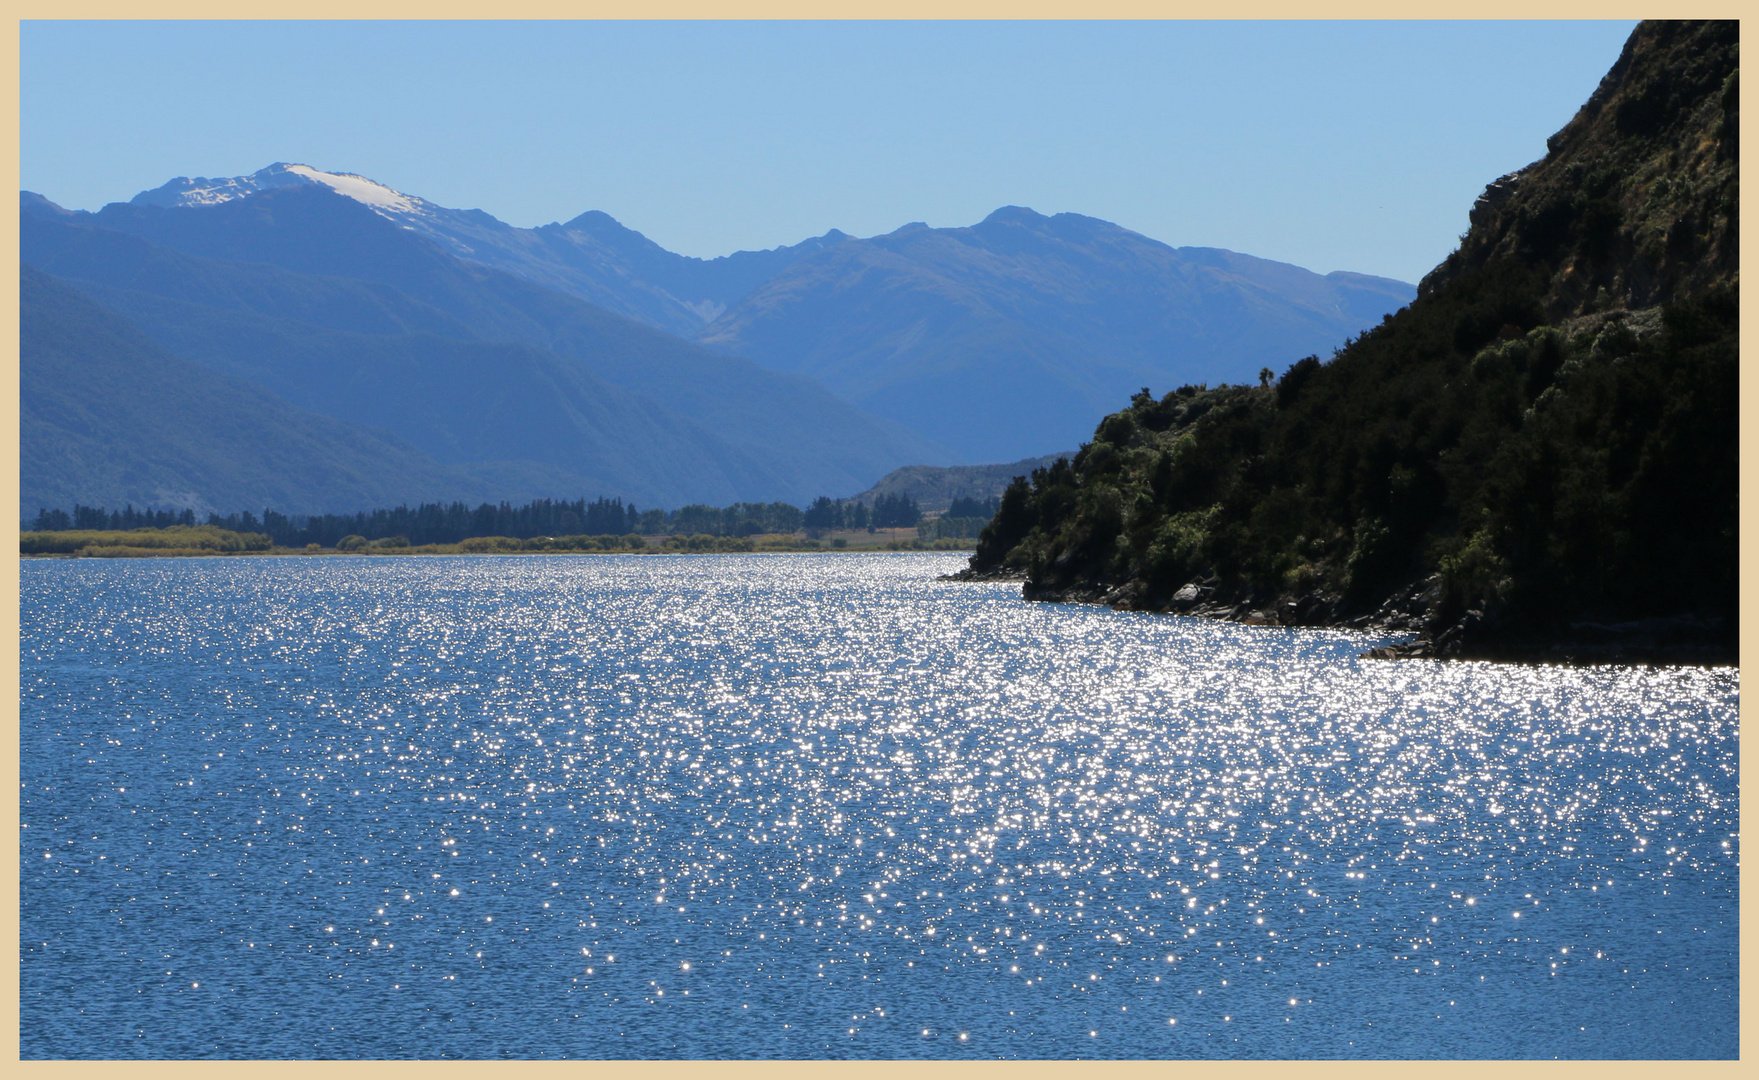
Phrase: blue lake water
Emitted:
{"points": [[827, 806]]}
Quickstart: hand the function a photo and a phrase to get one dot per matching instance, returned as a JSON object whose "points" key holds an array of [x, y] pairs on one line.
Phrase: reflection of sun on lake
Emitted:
{"points": [[827, 806]]}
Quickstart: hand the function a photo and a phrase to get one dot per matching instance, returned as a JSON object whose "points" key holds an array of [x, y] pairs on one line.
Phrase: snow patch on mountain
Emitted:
{"points": [[359, 188], [209, 195], [210, 191]]}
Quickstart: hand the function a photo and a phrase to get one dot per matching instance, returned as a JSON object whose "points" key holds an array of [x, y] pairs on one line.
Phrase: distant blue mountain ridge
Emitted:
{"points": [[341, 314], [1001, 340], [582, 358]]}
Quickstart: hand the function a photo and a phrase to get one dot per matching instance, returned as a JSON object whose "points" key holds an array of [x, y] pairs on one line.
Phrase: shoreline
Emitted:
{"points": [[1672, 641], [1668, 641]]}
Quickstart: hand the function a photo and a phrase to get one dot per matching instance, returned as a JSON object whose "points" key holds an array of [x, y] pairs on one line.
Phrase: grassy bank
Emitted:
{"points": [[203, 540]]}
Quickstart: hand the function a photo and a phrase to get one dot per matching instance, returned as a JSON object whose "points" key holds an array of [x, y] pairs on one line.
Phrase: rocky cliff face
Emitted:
{"points": [[1637, 202]]}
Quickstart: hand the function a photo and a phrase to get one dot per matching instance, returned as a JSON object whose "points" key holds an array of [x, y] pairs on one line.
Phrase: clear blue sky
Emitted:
{"points": [[1335, 146]]}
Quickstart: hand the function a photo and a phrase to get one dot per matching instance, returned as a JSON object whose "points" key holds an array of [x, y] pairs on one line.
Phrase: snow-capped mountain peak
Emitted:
{"points": [[593, 257], [205, 191]]}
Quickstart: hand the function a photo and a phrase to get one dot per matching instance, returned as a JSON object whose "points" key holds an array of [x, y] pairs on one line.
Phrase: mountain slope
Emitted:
{"points": [[1012, 335], [623, 405], [1537, 457], [107, 418], [459, 401]]}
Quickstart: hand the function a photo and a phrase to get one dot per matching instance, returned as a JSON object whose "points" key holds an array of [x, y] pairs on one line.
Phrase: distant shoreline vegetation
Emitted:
{"points": [[604, 525]]}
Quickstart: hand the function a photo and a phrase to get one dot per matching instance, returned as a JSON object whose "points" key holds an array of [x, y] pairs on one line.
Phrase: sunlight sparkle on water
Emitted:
{"points": [[827, 806]]}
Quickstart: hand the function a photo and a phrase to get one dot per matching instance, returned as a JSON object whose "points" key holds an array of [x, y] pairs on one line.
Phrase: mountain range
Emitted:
{"points": [[313, 297], [583, 358], [1004, 339]]}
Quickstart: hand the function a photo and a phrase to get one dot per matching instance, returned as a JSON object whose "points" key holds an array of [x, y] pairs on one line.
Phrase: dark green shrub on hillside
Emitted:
{"points": [[1585, 470]]}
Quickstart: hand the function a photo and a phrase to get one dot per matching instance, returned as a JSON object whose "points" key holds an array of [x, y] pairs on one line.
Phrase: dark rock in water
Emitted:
{"points": [[994, 573]]}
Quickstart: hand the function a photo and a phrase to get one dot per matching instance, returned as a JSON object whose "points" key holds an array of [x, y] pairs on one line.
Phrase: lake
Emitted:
{"points": [[827, 806]]}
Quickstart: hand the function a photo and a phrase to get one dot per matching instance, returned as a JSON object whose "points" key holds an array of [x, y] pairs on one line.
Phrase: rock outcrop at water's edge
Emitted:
{"points": [[1417, 610], [1536, 460]]}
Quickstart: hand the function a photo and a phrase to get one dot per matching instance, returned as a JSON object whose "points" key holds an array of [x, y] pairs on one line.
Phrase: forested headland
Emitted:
{"points": [[1537, 457]]}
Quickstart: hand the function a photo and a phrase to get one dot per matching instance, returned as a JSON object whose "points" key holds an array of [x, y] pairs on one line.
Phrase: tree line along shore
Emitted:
{"points": [[452, 523]]}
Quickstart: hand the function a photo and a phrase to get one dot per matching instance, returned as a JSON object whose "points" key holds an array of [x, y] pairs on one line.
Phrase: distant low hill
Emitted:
{"points": [[935, 487]]}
